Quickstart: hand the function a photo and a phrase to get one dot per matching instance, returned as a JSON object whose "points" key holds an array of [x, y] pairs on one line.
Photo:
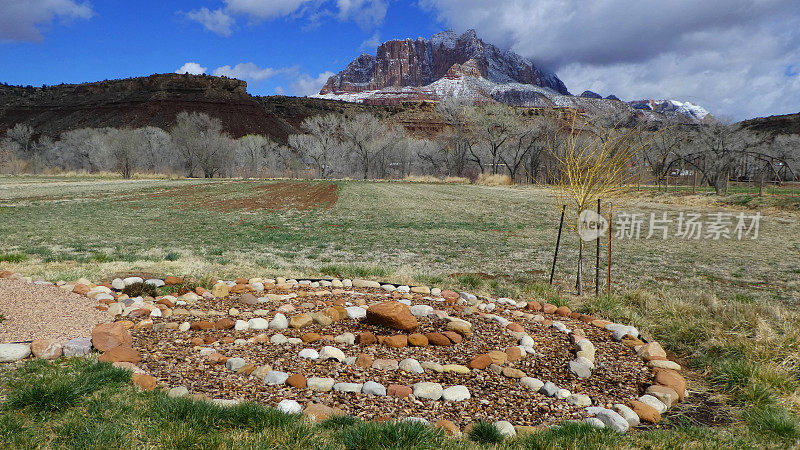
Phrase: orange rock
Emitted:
{"points": [[296, 381], [645, 412], [46, 349], [600, 323], [393, 315], [217, 358], [364, 361], [241, 289], [120, 354], [202, 325], [417, 340], [209, 339], [514, 353], [228, 340], [310, 338], [6, 273], [449, 427], [454, 337], [480, 362], [81, 289], [166, 302], [169, 281], [397, 390], [110, 335], [450, 295], [671, 379], [197, 341], [534, 306], [126, 323], [397, 341], [241, 281], [144, 381], [575, 315], [200, 290], [101, 308], [107, 301], [438, 339], [549, 308], [262, 338], [317, 412], [563, 311], [587, 318], [515, 327], [224, 324], [366, 338]]}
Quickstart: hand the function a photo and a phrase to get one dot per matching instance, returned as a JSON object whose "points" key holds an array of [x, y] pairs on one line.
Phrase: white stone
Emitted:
{"points": [[155, 313], [345, 338], [505, 428], [356, 312], [132, 280], [533, 384], [258, 286], [427, 390], [320, 384], [329, 352], [373, 388], [348, 387], [654, 402], [627, 414], [14, 352], [180, 391], [563, 394], [289, 407], [278, 339], [257, 323], [595, 422], [526, 341], [579, 400], [185, 326], [421, 310], [308, 353], [279, 322], [456, 393], [155, 282], [411, 365], [403, 289], [613, 420], [118, 284], [241, 325], [275, 377]]}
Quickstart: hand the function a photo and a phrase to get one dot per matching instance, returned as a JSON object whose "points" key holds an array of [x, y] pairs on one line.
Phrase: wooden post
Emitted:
{"points": [[558, 242], [610, 223], [694, 182], [597, 262]]}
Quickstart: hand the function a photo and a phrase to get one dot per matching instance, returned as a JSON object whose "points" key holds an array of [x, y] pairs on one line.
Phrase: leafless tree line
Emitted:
{"points": [[483, 139]]}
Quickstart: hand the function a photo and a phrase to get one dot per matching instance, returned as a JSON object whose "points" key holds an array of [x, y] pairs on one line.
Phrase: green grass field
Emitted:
{"points": [[728, 308]]}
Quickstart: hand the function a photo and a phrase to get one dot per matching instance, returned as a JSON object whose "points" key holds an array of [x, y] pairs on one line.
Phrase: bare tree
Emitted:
{"points": [[456, 141], [366, 137], [322, 146], [202, 144], [493, 127], [123, 151], [255, 152]]}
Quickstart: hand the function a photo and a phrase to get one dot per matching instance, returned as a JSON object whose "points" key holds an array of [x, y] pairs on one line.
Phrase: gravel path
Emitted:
{"points": [[45, 312]]}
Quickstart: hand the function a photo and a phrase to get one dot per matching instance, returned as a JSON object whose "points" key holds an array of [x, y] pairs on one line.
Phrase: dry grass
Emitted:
{"points": [[726, 308], [495, 180]]}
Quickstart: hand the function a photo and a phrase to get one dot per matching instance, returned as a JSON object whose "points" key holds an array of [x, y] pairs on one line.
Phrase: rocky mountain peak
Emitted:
{"points": [[420, 62]]}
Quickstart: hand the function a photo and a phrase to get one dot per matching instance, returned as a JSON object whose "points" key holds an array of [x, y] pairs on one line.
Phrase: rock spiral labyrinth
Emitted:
{"points": [[384, 351]]}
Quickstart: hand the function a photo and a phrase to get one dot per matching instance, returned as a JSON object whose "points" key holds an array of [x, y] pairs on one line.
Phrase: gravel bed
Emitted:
{"points": [[34, 311]]}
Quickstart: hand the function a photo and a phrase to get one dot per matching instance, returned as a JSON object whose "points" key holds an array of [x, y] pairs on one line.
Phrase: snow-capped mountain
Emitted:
{"points": [[466, 67]]}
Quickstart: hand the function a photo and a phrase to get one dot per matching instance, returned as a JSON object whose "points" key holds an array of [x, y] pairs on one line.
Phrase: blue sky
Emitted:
{"points": [[125, 39], [736, 58]]}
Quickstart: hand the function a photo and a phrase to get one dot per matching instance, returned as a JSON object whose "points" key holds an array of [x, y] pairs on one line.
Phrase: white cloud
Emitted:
{"points": [[247, 71], [366, 13], [372, 43], [728, 55], [192, 68], [279, 90], [304, 84], [22, 20], [216, 21], [262, 10]]}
